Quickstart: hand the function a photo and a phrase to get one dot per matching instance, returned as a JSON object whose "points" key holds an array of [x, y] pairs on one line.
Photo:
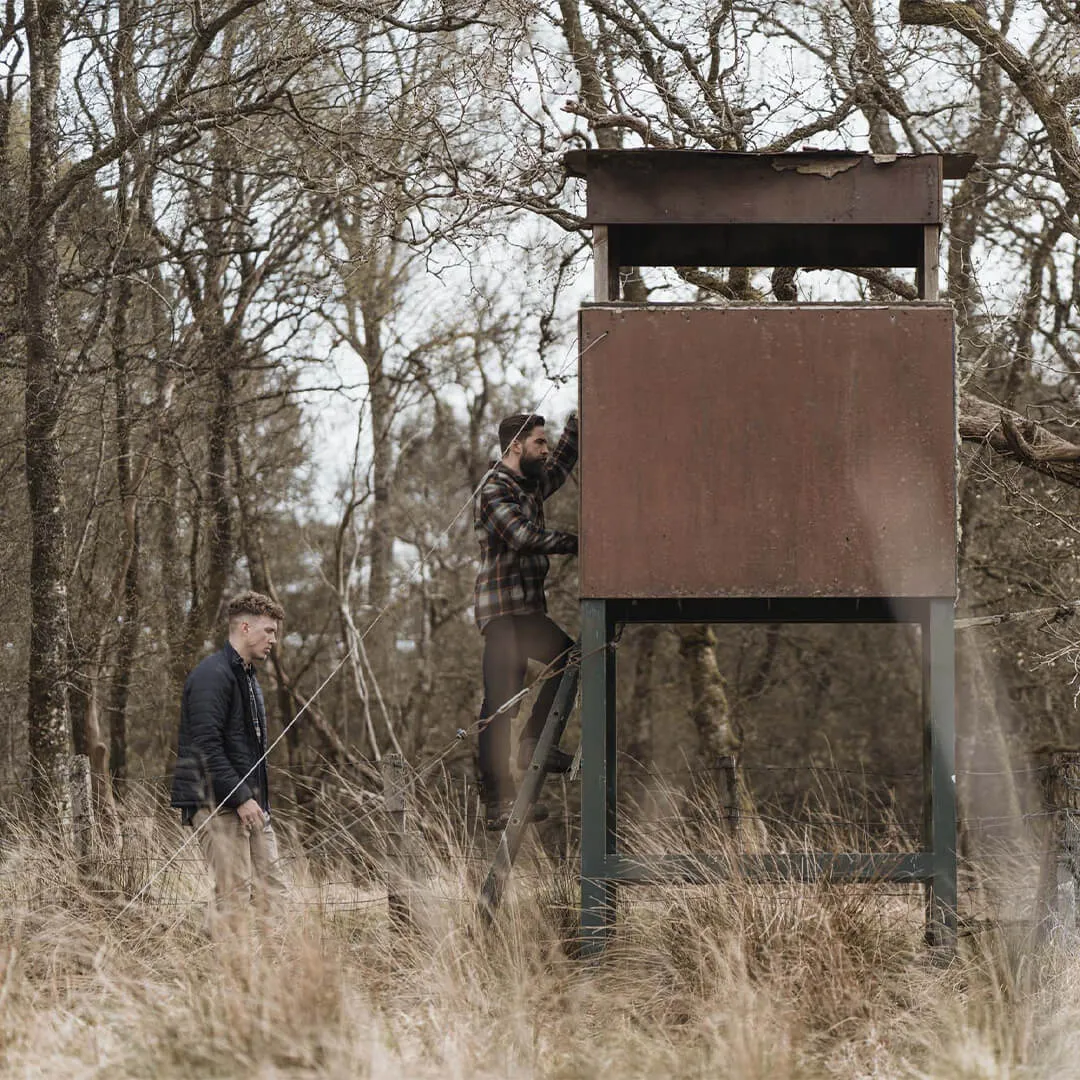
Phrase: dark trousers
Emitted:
{"points": [[510, 642]]}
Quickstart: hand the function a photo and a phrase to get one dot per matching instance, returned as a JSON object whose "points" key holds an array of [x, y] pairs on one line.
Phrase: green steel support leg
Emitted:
{"points": [[611, 837], [597, 776], [939, 756]]}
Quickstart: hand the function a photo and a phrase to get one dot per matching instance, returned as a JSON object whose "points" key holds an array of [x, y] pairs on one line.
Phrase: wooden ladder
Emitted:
{"points": [[531, 785]]}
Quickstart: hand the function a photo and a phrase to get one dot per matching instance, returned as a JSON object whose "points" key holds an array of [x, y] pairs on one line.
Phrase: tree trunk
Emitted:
{"points": [[873, 91], [47, 703], [164, 477], [129, 579], [639, 743], [988, 747], [165, 520], [123, 74], [96, 749], [125, 658], [589, 82], [380, 525], [222, 349], [206, 598], [719, 738], [368, 303], [967, 211]]}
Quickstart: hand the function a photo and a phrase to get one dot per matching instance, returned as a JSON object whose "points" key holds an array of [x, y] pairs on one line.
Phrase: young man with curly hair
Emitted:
{"points": [[220, 783]]}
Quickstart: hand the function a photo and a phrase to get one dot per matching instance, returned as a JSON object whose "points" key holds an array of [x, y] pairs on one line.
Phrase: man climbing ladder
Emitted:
{"points": [[511, 606], [510, 842]]}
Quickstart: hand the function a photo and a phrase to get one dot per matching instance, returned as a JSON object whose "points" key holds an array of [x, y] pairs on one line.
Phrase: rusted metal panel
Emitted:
{"points": [[953, 166], [767, 450], [765, 245], [656, 187]]}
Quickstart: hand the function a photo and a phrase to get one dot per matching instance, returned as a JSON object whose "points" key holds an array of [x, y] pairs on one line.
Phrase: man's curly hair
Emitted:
{"points": [[254, 603]]}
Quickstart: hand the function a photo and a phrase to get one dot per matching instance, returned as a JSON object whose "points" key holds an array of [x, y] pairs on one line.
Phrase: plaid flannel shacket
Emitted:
{"points": [[508, 516]]}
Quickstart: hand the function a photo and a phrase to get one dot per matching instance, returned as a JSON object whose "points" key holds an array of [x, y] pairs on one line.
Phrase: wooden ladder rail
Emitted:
{"points": [[510, 842]]}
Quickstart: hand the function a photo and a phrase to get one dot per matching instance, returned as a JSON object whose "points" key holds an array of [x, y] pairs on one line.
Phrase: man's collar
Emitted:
{"points": [[520, 478], [236, 659]]}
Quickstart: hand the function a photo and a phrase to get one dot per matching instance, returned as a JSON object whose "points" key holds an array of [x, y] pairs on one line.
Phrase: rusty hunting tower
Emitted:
{"points": [[766, 462]]}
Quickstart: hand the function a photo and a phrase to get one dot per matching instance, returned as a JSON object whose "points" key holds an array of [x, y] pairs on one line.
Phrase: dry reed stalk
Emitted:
{"points": [[737, 980]]}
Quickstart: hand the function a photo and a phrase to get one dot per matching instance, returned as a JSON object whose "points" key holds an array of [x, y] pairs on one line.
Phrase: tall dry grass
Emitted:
{"points": [[734, 980]]}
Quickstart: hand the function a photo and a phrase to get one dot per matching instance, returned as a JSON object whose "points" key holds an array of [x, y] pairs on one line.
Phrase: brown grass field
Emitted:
{"points": [[737, 980]]}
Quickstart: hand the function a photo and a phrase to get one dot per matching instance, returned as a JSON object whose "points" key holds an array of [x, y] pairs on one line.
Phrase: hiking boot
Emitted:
{"points": [[497, 814], [558, 761]]}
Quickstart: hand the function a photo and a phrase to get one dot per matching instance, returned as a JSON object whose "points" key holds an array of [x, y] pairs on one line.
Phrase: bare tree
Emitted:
{"points": [[47, 702], [184, 99]]}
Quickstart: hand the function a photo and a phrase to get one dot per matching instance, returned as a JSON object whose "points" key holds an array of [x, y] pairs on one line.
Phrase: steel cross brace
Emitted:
{"points": [[604, 867]]}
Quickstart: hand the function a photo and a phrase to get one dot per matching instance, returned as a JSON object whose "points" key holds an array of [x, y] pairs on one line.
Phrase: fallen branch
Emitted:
{"points": [[1025, 440], [1024, 448], [1051, 614]]}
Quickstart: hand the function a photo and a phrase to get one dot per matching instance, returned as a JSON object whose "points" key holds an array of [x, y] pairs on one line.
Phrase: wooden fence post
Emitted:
{"points": [[398, 869], [82, 809], [1059, 875]]}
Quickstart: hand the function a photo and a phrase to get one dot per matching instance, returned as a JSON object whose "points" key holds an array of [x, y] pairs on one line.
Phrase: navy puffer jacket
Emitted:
{"points": [[222, 737]]}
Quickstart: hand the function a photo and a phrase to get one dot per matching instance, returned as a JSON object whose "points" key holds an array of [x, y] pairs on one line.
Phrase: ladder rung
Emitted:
{"points": [[531, 786]]}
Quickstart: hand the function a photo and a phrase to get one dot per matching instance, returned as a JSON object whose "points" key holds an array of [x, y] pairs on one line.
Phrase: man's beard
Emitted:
{"points": [[532, 468]]}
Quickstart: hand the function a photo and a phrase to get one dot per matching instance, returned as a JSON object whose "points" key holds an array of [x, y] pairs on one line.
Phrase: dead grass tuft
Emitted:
{"points": [[735, 980]]}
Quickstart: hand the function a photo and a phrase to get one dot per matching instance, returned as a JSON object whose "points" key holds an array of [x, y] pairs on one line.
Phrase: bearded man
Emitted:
{"points": [[511, 607]]}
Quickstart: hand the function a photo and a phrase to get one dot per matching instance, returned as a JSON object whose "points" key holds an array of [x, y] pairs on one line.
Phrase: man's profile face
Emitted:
{"points": [[534, 453], [259, 635]]}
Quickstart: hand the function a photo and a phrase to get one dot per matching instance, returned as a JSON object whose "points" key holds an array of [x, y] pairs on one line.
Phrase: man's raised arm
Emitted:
{"points": [[501, 515], [563, 458]]}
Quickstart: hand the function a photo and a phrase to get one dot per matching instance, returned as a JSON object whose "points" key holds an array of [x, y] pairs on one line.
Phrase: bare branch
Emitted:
{"points": [[970, 21], [1050, 614]]}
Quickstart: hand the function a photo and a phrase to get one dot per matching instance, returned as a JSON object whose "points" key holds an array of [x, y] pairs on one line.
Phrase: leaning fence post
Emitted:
{"points": [[1060, 871], [398, 872], [82, 808]]}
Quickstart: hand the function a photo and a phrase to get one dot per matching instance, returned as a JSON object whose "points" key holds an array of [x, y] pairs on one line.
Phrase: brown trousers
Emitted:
{"points": [[243, 861]]}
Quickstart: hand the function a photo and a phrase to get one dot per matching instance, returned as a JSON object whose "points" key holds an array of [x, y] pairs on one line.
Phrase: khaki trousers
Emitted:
{"points": [[243, 861]]}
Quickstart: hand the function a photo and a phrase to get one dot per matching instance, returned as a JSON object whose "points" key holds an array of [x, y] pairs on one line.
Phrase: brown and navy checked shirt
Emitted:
{"points": [[508, 516]]}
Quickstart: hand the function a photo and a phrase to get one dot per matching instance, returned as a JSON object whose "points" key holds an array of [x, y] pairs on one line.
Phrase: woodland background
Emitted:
{"points": [[272, 271]]}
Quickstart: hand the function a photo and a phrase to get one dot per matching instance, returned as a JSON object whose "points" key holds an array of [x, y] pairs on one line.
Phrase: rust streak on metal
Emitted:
{"points": [[826, 167], [767, 450], [673, 188]]}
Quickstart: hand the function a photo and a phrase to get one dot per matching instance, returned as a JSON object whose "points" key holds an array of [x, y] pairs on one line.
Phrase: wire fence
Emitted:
{"points": [[334, 836]]}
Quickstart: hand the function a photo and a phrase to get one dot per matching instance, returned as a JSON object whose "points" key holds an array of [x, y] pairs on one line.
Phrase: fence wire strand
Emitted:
{"points": [[555, 380]]}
